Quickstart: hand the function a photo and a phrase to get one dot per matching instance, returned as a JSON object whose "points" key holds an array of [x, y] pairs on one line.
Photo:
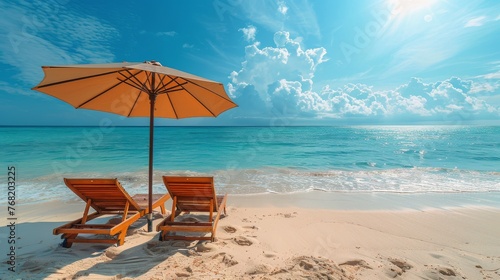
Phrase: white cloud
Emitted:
{"points": [[249, 32], [281, 79], [265, 66], [48, 33], [187, 46], [166, 33], [478, 21], [487, 86], [300, 16], [484, 87], [495, 75], [282, 8]]}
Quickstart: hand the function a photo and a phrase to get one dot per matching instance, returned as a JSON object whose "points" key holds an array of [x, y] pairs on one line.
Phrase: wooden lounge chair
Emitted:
{"points": [[192, 194], [107, 197]]}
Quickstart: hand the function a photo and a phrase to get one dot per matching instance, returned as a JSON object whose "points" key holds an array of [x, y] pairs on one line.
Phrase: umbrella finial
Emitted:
{"points": [[153, 62]]}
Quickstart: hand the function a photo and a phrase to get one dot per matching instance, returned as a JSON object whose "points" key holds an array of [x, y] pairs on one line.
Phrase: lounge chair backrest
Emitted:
{"points": [[193, 193], [105, 194]]}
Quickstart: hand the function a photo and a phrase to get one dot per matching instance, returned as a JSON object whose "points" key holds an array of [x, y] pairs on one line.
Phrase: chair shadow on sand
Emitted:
{"points": [[144, 257], [102, 260], [42, 255], [185, 233]]}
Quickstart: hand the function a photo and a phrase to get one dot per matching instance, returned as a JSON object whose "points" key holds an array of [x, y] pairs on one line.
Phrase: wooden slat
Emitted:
{"points": [[189, 238], [84, 231], [192, 194], [188, 223], [107, 191], [92, 216], [91, 226], [190, 228], [89, 240], [107, 197]]}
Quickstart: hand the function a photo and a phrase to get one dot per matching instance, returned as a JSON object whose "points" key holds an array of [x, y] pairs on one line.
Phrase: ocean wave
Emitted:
{"points": [[284, 180]]}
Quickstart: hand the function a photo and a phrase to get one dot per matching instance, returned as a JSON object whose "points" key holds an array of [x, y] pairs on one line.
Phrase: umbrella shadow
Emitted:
{"points": [[138, 260], [39, 253]]}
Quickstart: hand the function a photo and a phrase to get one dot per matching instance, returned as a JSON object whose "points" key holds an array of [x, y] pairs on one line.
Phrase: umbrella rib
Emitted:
{"points": [[174, 88], [196, 84], [103, 92], [168, 96], [96, 96], [132, 84], [137, 83], [76, 79], [163, 85], [172, 105], [135, 102], [202, 104]]}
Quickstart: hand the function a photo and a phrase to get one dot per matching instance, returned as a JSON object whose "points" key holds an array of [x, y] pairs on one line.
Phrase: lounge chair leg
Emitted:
{"points": [[121, 238], [66, 243], [66, 237]]}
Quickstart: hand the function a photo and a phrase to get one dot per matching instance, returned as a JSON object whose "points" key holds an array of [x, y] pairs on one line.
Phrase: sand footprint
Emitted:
{"points": [[402, 267], [269, 254], [229, 229], [226, 259], [447, 271], [356, 264], [251, 227], [306, 267], [205, 247], [290, 215], [242, 241], [438, 272]]}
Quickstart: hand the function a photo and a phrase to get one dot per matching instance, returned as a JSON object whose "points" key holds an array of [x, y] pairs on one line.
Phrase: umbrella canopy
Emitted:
{"points": [[136, 90]]}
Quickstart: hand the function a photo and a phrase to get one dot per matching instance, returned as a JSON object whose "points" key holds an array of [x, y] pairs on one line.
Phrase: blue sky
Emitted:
{"points": [[284, 62]]}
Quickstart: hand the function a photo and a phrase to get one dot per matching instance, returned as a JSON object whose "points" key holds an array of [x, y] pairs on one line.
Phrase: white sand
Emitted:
{"points": [[300, 236]]}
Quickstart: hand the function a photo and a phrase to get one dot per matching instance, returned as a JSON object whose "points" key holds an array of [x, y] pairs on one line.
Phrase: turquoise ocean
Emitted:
{"points": [[251, 160]]}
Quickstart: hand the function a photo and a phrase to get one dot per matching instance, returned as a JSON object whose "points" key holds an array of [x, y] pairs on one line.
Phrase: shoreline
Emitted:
{"points": [[284, 236], [366, 201], [313, 199], [335, 200]]}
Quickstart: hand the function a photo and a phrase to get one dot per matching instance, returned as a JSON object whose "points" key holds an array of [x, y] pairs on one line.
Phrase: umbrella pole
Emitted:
{"points": [[152, 98]]}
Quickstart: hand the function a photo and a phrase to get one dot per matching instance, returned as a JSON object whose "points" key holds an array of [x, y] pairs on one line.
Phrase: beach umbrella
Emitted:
{"points": [[145, 89]]}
